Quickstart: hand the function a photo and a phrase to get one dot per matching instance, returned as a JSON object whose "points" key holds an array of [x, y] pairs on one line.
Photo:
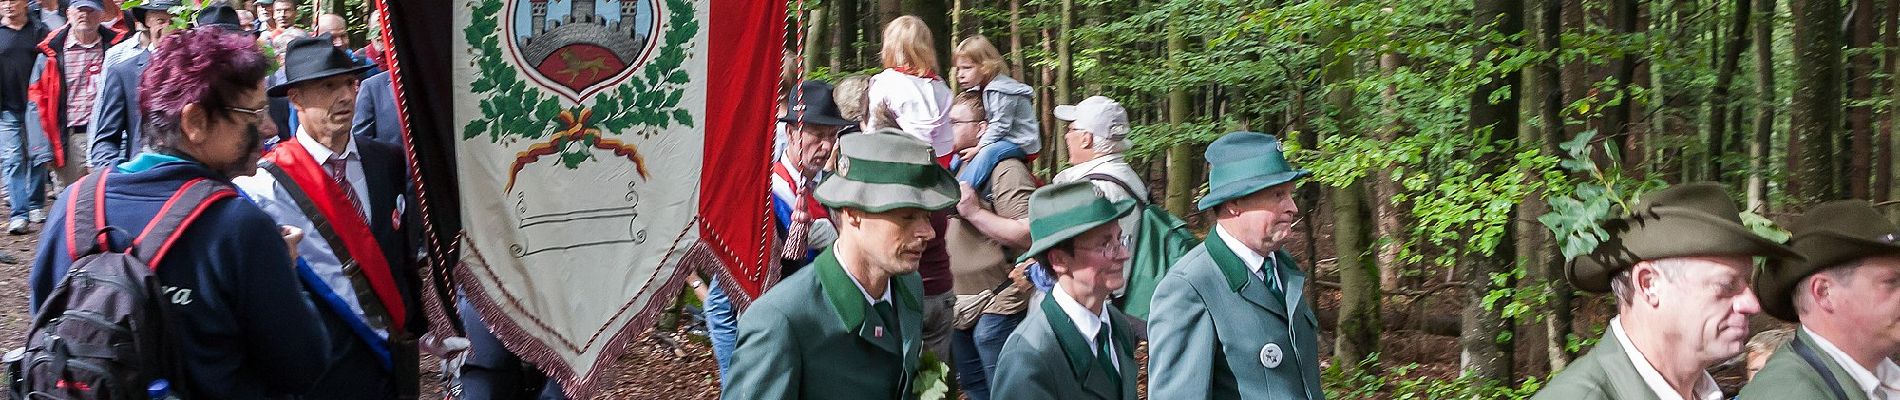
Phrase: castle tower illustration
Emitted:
{"points": [[582, 48]]}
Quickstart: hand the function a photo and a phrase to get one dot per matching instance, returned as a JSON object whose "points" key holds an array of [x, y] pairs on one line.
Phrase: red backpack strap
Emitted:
{"points": [[85, 217], [184, 206]]}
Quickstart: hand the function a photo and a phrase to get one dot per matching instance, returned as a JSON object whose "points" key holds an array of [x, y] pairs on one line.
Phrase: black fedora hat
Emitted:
{"points": [[312, 58], [218, 14], [812, 104], [138, 13]]}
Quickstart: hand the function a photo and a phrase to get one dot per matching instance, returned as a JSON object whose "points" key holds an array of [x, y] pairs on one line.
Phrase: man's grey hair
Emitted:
{"points": [[1623, 285], [1105, 146], [1842, 274]]}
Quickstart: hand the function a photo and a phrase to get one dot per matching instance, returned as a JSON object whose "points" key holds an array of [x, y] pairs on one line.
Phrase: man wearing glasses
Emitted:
{"points": [[1075, 345], [348, 195], [1230, 320]]}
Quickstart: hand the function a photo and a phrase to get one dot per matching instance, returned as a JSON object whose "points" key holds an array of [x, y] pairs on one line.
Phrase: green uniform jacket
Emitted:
{"points": [[1787, 376], [1047, 358], [1212, 322], [1603, 373], [813, 336]]}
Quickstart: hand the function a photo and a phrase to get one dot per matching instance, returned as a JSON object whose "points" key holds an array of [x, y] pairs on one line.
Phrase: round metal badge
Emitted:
{"points": [[1270, 355]]}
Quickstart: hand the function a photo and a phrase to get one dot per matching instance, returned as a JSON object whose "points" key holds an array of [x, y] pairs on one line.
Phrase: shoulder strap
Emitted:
{"points": [[85, 217], [185, 205], [310, 210], [1141, 198], [1807, 354]]}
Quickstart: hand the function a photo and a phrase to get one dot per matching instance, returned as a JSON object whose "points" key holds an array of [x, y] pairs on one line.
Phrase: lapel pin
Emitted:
{"points": [[1270, 355], [877, 331]]}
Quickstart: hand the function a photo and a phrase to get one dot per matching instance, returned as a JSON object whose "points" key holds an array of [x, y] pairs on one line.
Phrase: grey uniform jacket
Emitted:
{"points": [[1216, 333]]}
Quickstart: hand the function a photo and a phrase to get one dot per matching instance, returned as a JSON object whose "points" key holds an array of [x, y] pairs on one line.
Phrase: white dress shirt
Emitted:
{"points": [[1705, 388], [1089, 323], [352, 167], [1255, 262], [1883, 384], [270, 196]]}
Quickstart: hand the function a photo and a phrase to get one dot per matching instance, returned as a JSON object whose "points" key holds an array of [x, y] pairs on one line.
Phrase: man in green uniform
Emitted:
{"points": [[1679, 263], [1846, 296], [1230, 320], [849, 325], [1074, 345]]}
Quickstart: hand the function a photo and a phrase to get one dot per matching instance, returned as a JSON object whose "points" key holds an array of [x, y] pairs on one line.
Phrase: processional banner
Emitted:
{"points": [[606, 149]]}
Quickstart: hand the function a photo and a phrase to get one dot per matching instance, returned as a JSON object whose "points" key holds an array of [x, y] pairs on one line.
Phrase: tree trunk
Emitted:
{"points": [[1182, 181], [1762, 141], [1545, 264], [1720, 105], [1388, 214], [1359, 326], [814, 41], [841, 34], [1052, 133], [1883, 141], [1016, 40], [1486, 340], [1814, 113], [1617, 125], [1861, 69]]}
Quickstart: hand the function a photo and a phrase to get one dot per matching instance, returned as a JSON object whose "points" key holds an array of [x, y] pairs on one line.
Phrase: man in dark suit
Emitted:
{"points": [[376, 111], [348, 195]]}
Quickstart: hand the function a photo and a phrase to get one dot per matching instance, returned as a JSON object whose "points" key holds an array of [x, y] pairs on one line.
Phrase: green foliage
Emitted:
{"points": [[1577, 211], [933, 380], [1367, 381]]}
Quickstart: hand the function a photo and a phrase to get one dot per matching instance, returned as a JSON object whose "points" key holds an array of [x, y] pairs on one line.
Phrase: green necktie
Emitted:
{"points": [[1104, 358]]}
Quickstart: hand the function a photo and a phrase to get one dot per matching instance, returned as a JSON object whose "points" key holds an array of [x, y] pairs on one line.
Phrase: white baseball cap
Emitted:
{"points": [[1098, 115]]}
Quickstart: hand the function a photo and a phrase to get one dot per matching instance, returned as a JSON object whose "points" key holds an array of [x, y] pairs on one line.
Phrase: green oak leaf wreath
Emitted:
{"points": [[512, 110]]}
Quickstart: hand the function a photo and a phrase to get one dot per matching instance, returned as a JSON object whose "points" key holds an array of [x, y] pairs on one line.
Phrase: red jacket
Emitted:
{"points": [[48, 91]]}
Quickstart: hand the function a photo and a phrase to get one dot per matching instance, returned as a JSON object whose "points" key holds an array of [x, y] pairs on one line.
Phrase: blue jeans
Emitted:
{"points": [[991, 331], [722, 326], [976, 171], [971, 376], [23, 159]]}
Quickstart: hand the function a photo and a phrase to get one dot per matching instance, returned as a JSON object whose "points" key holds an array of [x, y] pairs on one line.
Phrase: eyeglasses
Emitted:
{"points": [[967, 122], [255, 112]]}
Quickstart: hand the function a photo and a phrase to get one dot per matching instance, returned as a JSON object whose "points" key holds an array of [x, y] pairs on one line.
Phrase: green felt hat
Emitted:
{"points": [[1829, 235], [887, 170], [1063, 211], [1241, 163], [1688, 220]]}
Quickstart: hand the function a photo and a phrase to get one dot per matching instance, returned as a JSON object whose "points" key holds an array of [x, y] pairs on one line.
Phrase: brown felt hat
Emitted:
{"points": [[1829, 235], [1688, 220]]}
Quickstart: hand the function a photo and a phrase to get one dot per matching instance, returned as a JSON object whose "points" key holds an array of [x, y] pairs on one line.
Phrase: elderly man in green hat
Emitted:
{"points": [[849, 325], [1074, 345], [1846, 296], [1679, 263], [1230, 320]]}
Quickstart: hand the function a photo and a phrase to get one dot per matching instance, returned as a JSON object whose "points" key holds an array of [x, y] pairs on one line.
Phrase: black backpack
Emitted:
{"points": [[100, 334]]}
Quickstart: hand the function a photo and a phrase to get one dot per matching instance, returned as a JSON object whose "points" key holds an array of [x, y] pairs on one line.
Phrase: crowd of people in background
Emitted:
{"points": [[272, 207], [909, 222], [913, 228]]}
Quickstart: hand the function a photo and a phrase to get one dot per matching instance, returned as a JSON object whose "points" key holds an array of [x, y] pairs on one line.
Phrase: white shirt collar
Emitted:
{"points": [[867, 293], [323, 153], [1088, 322], [1873, 383], [1705, 388], [1254, 261]]}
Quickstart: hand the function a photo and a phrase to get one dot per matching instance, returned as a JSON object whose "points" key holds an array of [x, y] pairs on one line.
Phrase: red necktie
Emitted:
{"points": [[338, 174]]}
